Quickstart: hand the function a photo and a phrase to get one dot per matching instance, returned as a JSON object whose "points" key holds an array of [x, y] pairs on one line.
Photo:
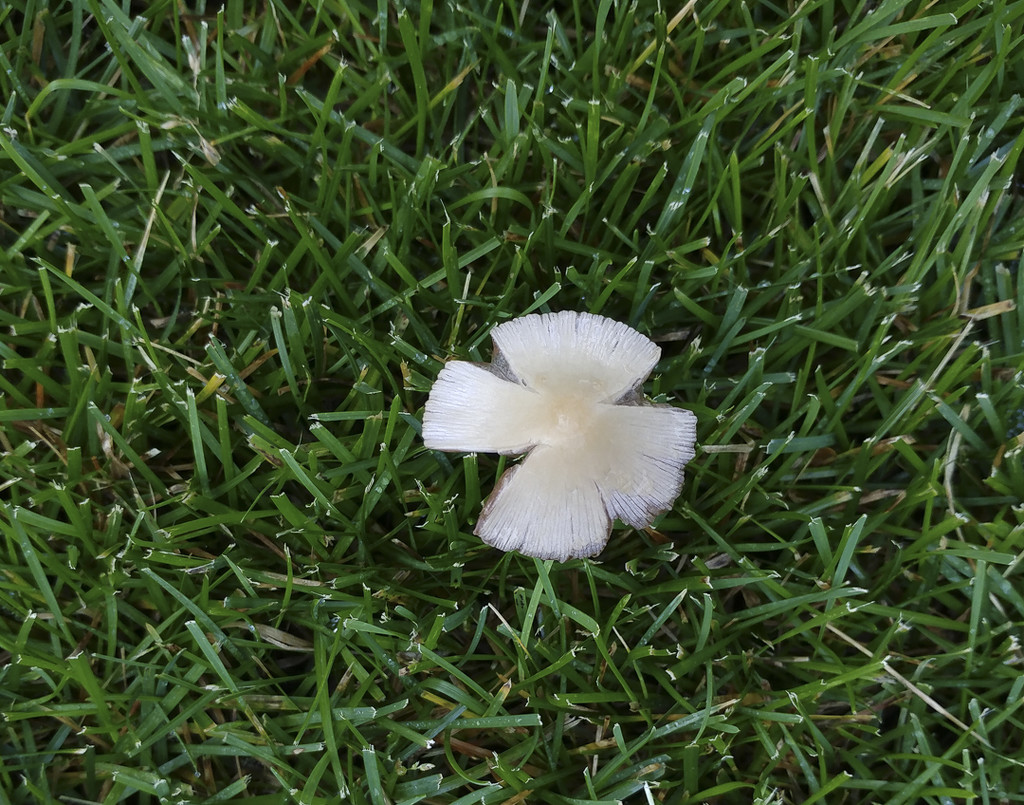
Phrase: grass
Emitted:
{"points": [[238, 241]]}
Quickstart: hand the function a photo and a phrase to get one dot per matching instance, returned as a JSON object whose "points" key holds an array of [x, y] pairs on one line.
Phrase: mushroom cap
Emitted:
{"points": [[564, 388]]}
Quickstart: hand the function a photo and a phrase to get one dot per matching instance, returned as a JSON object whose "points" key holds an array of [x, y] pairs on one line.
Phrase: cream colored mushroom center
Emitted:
{"points": [[570, 419]]}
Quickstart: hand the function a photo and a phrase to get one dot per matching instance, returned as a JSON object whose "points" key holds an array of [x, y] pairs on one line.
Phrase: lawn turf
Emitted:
{"points": [[237, 243]]}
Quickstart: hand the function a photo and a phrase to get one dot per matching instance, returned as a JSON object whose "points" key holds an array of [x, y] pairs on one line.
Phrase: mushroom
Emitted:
{"points": [[564, 388]]}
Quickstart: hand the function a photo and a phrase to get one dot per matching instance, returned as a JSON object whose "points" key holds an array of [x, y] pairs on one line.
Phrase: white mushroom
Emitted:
{"points": [[564, 388]]}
